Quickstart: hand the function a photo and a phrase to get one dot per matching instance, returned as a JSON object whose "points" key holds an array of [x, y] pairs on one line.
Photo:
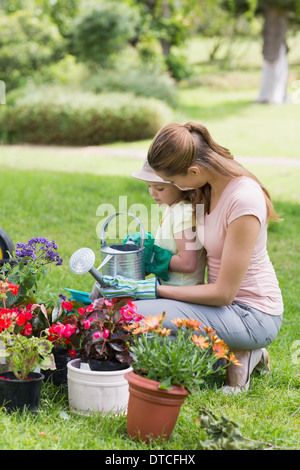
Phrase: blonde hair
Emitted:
{"points": [[176, 147]]}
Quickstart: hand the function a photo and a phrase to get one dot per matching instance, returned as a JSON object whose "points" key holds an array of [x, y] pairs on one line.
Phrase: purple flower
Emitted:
{"points": [[39, 249]]}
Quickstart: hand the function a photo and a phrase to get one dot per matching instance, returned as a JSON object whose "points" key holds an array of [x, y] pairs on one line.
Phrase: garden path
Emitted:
{"points": [[141, 153]]}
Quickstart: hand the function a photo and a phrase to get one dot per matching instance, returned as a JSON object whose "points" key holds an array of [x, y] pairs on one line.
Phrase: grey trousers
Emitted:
{"points": [[241, 327]]}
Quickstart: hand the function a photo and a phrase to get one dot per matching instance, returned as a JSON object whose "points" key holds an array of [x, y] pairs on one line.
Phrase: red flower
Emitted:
{"points": [[28, 315], [72, 353], [21, 319], [28, 329], [13, 289], [67, 306]]}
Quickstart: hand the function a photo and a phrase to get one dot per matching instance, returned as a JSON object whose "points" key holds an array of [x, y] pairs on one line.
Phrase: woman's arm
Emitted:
{"points": [[237, 252], [186, 260]]}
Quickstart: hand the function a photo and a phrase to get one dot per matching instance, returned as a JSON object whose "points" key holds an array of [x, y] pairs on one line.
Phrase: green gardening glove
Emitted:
{"points": [[122, 287], [157, 259]]}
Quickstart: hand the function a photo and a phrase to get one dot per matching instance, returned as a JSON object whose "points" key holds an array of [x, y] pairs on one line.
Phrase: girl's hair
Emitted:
{"points": [[176, 147]]}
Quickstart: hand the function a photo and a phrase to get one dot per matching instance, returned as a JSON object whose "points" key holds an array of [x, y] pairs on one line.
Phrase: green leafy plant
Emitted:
{"points": [[225, 434], [28, 265], [23, 351], [26, 353], [184, 360]]}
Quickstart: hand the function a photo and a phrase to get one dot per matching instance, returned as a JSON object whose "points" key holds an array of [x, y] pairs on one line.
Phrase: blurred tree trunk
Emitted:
{"points": [[166, 13], [275, 65]]}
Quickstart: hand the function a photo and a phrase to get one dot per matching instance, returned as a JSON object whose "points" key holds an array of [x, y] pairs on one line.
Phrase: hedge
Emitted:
{"points": [[56, 116]]}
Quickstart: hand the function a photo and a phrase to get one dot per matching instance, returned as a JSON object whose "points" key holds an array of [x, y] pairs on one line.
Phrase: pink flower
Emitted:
{"points": [[106, 333], [81, 310], [68, 330], [138, 318], [86, 324], [108, 303], [59, 329], [98, 334]]}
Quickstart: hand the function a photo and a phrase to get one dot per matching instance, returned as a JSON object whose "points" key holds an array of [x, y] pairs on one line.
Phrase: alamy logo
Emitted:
{"points": [[151, 218]]}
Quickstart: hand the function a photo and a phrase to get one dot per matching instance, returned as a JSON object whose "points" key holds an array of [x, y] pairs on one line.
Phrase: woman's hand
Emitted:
{"points": [[120, 286]]}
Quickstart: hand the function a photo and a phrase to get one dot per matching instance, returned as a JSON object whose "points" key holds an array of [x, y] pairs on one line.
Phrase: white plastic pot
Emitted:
{"points": [[97, 391]]}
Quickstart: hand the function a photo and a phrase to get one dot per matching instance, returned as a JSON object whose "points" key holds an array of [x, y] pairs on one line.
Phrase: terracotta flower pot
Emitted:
{"points": [[152, 412]]}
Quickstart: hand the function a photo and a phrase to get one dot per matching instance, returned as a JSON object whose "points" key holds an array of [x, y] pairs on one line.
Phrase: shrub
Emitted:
{"points": [[54, 115], [139, 79]]}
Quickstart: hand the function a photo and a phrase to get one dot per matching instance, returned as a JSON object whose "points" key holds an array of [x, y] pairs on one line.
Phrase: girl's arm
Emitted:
{"points": [[237, 252], [186, 260]]}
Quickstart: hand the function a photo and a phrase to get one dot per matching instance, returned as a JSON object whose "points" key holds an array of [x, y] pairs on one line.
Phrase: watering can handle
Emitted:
{"points": [[102, 235]]}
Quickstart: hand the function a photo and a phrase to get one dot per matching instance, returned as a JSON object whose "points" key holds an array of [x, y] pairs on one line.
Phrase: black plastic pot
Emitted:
{"points": [[20, 395], [98, 365], [59, 376]]}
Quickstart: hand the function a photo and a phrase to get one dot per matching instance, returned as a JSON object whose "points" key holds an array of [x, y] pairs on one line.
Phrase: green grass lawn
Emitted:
{"points": [[55, 193], [62, 206]]}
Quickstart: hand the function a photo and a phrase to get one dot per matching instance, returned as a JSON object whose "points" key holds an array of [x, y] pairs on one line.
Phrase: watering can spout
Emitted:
{"points": [[82, 261], [98, 276]]}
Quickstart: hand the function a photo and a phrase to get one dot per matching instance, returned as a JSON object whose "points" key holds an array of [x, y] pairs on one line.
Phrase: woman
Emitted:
{"points": [[242, 300]]}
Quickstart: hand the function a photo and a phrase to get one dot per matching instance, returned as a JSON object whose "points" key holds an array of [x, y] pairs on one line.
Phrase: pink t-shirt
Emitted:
{"points": [[259, 288]]}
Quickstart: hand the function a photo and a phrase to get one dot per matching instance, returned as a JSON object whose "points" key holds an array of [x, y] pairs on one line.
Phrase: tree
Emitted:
{"points": [[27, 43], [277, 15], [275, 64], [170, 22], [103, 30]]}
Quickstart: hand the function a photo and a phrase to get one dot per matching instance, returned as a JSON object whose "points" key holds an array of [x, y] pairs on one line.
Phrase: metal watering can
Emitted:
{"points": [[118, 259]]}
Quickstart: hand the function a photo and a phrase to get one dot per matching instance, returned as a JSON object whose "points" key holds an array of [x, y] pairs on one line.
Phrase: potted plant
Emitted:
{"points": [[53, 319], [166, 371], [96, 379], [28, 265], [20, 387]]}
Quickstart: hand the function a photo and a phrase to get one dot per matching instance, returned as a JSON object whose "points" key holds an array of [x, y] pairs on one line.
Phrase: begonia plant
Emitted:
{"points": [[101, 331]]}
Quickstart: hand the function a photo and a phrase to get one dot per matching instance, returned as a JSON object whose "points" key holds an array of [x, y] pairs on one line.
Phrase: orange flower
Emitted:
{"points": [[140, 329], [192, 324], [188, 323], [220, 348], [200, 341], [234, 360], [209, 330], [179, 322], [164, 332], [154, 322]]}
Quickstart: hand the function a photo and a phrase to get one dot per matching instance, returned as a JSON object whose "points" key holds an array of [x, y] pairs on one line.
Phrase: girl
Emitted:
{"points": [[176, 230]]}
